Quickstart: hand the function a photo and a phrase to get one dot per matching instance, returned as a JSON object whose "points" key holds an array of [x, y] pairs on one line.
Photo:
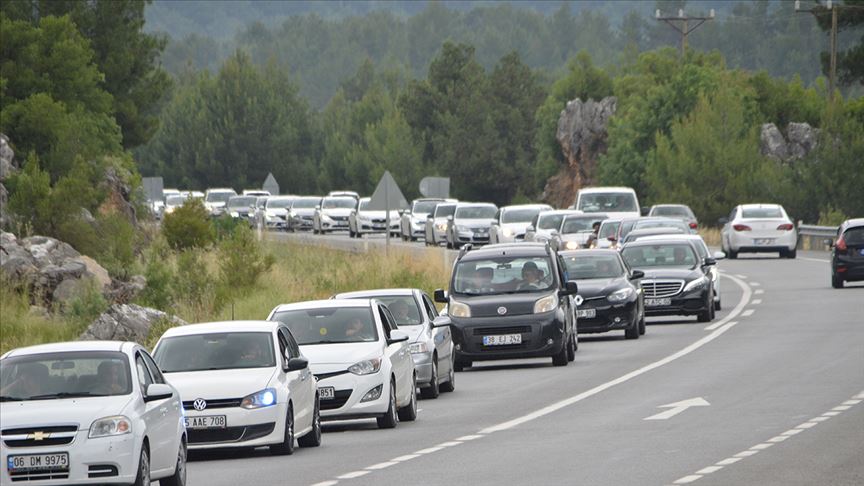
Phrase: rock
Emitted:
{"points": [[51, 275], [7, 158], [803, 139], [126, 322], [69, 290], [47, 250], [125, 292], [119, 195], [96, 272], [16, 262], [772, 144], [39, 311]]}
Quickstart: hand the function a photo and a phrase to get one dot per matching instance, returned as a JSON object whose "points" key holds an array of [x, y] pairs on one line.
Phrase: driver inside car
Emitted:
{"points": [[402, 313]]}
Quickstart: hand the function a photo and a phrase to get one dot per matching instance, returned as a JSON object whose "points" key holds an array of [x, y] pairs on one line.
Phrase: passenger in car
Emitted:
{"points": [[111, 379], [30, 381], [531, 276]]}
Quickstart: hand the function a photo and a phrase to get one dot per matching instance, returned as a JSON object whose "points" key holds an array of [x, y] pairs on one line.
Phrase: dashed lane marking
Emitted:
{"points": [[759, 291], [748, 312], [756, 301]]}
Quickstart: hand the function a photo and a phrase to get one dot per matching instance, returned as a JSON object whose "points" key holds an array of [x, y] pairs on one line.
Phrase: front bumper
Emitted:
{"points": [[350, 390], [608, 317], [298, 223], [471, 237], [689, 304], [366, 226], [245, 428], [543, 335]]}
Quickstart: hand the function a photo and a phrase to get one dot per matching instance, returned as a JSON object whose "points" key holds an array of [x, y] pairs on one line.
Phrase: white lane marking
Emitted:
{"points": [[852, 402], [709, 470], [382, 465], [742, 277], [406, 457], [466, 438], [759, 291], [353, 475], [779, 438], [688, 479], [326, 483], [633, 374], [748, 313], [718, 324], [449, 444], [819, 419], [678, 407], [842, 407], [807, 425], [830, 414], [756, 301], [814, 260], [728, 461], [792, 432], [429, 450], [761, 447], [755, 284], [860, 395], [746, 453]]}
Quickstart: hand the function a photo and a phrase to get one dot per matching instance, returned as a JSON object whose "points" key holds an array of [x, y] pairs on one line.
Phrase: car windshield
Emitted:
{"points": [[758, 213], [403, 308], [424, 207], [306, 203], [64, 375], [215, 351], [519, 215], [475, 212], [261, 201], [666, 223], [587, 266], [601, 202], [550, 221], [175, 200], [241, 202], [661, 255], [504, 274], [277, 203], [221, 196], [364, 204], [607, 230], [577, 224], [330, 325], [444, 210], [339, 202], [854, 236], [672, 211]]}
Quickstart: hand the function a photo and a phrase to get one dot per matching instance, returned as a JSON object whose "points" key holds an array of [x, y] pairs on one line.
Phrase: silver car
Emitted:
{"points": [[332, 214], [429, 336], [302, 213], [412, 223], [547, 224], [436, 223], [470, 223]]}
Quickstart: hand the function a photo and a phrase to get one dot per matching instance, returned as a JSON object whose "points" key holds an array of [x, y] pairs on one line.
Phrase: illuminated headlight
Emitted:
{"points": [[546, 304], [441, 226], [572, 245], [373, 394], [109, 426], [326, 217], [458, 309], [235, 214], [697, 284], [261, 399], [418, 348], [366, 367], [620, 295], [508, 232]]}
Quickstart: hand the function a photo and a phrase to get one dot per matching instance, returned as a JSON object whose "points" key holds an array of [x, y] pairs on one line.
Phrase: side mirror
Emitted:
{"points": [[397, 336], [710, 261], [719, 255], [430, 216], [318, 207], [828, 242], [722, 221], [441, 321], [637, 274], [450, 218], [570, 288], [296, 364], [157, 391], [440, 296], [645, 211], [530, 228]]}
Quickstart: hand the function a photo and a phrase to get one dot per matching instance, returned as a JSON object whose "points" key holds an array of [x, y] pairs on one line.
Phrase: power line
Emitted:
{"points": [[685, 28]]}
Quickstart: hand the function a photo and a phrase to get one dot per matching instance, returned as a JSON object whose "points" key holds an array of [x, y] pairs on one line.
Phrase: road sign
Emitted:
{"points": [[153, 187], [435, 187], [270, 185], [387, 195], [678, 407]]}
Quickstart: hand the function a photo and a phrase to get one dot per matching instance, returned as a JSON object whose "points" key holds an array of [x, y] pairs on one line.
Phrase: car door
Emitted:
{"points": [[172, 413], [155, 417], [296, 382], [400, 358], [440, 335]]}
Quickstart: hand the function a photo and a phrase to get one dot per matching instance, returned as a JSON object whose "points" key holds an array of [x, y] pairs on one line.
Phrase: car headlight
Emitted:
{"points": [[463, 229], [234, 214], [441, 226], [110, 426], [458, 309], [696, 284], [620, 295], [326, 217], [508, 232], [572, 245], [366, 367], [261, 399], [418, 348], [546, 304]]}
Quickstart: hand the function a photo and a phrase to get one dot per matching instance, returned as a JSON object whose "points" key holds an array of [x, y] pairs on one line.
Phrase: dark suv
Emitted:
{"points": [[847, 253], [511, 301]]}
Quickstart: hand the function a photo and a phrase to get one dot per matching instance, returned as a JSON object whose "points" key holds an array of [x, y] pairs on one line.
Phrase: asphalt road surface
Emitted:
{"points": [[771, 392]]}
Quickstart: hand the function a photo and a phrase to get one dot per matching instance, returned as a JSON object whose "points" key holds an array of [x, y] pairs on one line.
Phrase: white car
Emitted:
{"points": [[215, 200], [89, 412], [173, 202], [256, 192], [412, 224], [360, 357], [577, 231], [758, 228], [332, 214], [614, 202], [704, 252], [243, 384], [274, 214], [435, 231], [511, 222], [470, 223], [546, 225], [362, 221]]}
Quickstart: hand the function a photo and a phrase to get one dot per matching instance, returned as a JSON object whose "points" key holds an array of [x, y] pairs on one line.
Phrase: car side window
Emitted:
{"points": [[293, 347], [284, 350], [154, 370], [732, 214], [430, 307], [390, 319], [386, 320], [144, 378]]}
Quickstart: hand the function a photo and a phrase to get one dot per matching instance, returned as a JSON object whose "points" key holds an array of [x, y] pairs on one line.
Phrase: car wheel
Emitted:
{"points": [[408, 413], [179, 476], [143, 476], [633, 331], [313, 438], [717, 305], [836, 282], [432, 391], [708, 314], [732, 254], [560, 359], [450, 385], [286, 448], [389, 420], [642, 324], [571, 350], [460, 365], [792, 254]]}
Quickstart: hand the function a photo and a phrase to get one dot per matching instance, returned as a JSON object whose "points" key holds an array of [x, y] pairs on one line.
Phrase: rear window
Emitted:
{"points": [[759, 213], [663, 255], [854, 236], [672, 211]]}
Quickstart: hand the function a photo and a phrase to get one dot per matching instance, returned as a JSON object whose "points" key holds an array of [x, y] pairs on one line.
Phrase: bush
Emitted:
{"points": [[188, 226], [195, 287], [159, 274], [224, 226], [242, 260], [85, 308]]}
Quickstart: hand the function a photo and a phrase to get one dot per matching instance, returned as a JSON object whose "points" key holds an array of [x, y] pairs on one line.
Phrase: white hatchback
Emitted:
{"points": [[758, 228], [362, 361], [243, 384], [89, 412]]}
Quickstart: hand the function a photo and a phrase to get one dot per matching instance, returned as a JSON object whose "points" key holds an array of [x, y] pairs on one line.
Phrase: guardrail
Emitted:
{"points": [[812, 237]]}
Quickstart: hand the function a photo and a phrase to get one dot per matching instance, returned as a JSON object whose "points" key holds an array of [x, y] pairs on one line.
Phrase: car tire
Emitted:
{"points": [[792, 254], [571, 349], [313, 437], [286, 448], [450, 385], [633, 331], [836, 282], [560, 359], [717, 305], [460, 364], [708, 314], [642, 324], [732, 254], [432, 391], [142, 478], [389, 419], [179, 476], [408, 413]]}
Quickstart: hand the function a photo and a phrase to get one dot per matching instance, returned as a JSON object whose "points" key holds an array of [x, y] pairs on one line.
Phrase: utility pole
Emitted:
{"points": [[816, 11], [684, 29]]}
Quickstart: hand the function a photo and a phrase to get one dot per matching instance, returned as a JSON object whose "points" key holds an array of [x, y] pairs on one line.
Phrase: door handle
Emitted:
{"points": [[164, 410]]}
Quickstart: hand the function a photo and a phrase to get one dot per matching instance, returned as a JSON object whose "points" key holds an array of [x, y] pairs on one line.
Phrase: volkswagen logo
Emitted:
{"points": [[502, 310], [199, 404], [579, 300]]}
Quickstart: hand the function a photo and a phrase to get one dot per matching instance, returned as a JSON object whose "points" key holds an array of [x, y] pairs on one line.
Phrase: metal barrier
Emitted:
{"points": [[812, 237]]}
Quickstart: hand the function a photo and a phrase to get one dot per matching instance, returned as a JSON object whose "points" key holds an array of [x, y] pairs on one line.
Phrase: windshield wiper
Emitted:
{"points": [[4, 398], [48, 396]]}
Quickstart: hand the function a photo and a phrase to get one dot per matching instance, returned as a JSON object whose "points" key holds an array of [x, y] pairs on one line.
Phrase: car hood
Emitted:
{"points": [[324, 358], [81, 411], [580, 238], [277, 211], [516, 228], [599, 287], [652, 273], [215, 204], [337, 212], [303, 211], [394, 215], [219, 384], [474, 223]]}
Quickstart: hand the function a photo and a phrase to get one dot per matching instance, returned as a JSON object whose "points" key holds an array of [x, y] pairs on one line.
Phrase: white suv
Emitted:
{"points": [[89, 412]]}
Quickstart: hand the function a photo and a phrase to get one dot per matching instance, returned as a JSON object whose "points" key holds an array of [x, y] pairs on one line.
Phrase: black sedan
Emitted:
{"points": [[610, 296], [677, 280], [847, 253]]}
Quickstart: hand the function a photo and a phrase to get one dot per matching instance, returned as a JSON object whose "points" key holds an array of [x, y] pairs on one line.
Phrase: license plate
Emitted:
{"points": [[48, 462], [586, 313], [658, 302], [326, 393], [206, 422], [763, 241], [502, 340]]}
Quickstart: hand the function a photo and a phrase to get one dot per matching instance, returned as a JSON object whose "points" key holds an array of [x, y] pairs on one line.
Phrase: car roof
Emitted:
{"points": [[221, 189], [525, 206], [71, 346], [849, 223], [560, 211], [761, 205], [666, 230], [223, 326], [474, 204], [323, 304], [670, 206], [588, 190], [592, 251], [676, 236], [510, 249], [580, 214], [659, 240], [374, 293]]}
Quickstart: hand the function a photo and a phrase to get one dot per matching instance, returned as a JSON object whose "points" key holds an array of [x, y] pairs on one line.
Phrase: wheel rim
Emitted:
{"points": [[145, 468], [181, 463], [393, 414]]}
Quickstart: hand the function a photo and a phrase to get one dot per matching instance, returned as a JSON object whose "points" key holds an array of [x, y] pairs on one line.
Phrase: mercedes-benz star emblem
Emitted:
{"points": [[199, 404], [502, 310], [579, 300]]}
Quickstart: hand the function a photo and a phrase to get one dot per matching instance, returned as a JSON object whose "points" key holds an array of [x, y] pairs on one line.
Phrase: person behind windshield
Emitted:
{"points": [[254, 352], [480, 282], [605, 269], [356, 329], [112, 379], [595, 231], [31, 378], [531, 276], [680, 255], [401, 312]]}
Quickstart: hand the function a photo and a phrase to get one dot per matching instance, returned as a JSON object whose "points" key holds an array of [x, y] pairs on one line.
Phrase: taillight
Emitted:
{"points": [[785, 227], [741, 227], [841, 244], [693, 225]]}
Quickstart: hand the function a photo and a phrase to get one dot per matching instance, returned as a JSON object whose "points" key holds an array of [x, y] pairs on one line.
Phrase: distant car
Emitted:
{"points": [[470, 223], [615, 202], [215, 200], [677, 281], [847, 253], [343, 194], [662, 222], [89, 411], [607, 234], [332, 214], [677, 211], [577, 231], [759, 228], [610, 295], [412, 223], [242, 207], [362, 221], [301, 213], [704, 254], [638, 234], [259, 212], [243, 383], [256, 192], [274, 214], [174, 202], [360, 358], [546, 225], [511, 222], [436, 223], [429, 338]]}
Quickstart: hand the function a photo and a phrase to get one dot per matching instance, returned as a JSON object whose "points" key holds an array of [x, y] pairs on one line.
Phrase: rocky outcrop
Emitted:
{"points": [[7, 168], [127, 322], [119, 195], [582, 135], [799, 141]]}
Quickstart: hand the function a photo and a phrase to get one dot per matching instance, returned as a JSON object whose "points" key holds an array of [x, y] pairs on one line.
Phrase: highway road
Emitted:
{"points": [[771, 392]]}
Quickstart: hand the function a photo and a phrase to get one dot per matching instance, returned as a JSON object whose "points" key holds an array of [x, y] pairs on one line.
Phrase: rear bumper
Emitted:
{"points": [[742, 242], [847, 268]]}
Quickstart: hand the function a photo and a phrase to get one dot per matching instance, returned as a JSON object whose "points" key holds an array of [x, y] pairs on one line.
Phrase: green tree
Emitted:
{"points": [[188, 226]]}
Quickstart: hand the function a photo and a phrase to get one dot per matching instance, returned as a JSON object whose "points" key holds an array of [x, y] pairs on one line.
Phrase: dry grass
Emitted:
{"points": [[711, 236], [19, 327]]}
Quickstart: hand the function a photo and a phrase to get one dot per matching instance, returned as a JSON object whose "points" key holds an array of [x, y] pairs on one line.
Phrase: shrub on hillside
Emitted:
{"points": [[188, 226], [242, 260]]}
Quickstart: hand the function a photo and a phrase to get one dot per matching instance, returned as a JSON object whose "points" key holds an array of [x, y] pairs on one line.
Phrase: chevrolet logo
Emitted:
{"points": [[39, 436]]}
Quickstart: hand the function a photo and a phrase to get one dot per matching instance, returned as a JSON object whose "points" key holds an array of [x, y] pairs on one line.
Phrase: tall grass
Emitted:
{"points": [[711, 236]]}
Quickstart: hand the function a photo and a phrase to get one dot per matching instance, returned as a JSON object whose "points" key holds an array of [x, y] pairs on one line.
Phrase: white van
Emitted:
{"points": [[614, 202]]}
